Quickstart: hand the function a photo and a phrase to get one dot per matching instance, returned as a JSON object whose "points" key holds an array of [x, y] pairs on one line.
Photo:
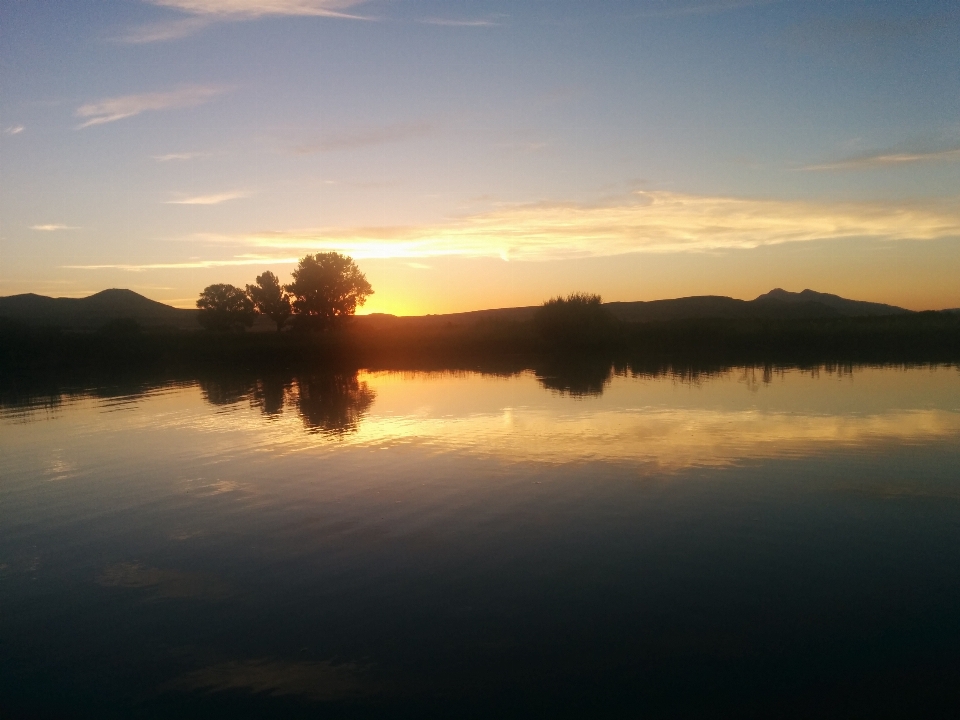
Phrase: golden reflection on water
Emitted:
{"points": [[673, 424], [672, 439], [668, 421]]}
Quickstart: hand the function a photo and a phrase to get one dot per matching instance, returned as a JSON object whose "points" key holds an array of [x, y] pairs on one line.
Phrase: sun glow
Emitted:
{"points": [[655, 222]]}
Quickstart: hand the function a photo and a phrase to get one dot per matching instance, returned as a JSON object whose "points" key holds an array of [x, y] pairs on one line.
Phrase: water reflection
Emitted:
{"points": [[577, 377], [631, 414], [404, 536], [333, 404], [329, 403], [224, 389], [270, 395]]}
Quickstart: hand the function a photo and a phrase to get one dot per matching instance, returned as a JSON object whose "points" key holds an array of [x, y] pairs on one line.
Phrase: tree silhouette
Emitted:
{"points": [[270, 299], [224, 307], [327, 286]]}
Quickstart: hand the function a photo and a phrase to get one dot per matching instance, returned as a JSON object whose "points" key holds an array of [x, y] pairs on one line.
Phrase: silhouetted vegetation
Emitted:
{"points": [[316, 372], [571, 342], [270, 299], [578, 320], [123, 345], [327, 287], [224, 307]]}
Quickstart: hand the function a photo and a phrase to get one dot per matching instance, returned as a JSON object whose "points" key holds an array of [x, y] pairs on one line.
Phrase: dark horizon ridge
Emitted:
{"points": [[121, 303]]}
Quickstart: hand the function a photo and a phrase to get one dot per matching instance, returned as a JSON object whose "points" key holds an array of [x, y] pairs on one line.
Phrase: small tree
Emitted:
{"points": [[326, 287], [270, 299], [224, 307]]}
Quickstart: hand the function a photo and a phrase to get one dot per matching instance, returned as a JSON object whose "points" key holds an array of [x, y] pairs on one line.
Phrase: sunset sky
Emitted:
{"points": [[483, 154]]}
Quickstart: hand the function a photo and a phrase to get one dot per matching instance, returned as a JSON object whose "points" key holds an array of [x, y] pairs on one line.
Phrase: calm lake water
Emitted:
{"points": [[469, 545]]}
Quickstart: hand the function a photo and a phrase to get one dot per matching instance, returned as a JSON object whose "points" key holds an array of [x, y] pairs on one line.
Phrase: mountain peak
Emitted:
{"points": [[842, 305], [806, 295], [95, 310], [116, 292], [777, 294]]}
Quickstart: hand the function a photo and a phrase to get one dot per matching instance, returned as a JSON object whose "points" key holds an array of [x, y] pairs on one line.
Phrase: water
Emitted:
{"points": [[469, 545]]}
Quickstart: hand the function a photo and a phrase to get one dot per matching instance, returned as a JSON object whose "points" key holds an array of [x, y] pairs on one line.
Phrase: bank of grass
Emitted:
{"points": [[45, 365]]}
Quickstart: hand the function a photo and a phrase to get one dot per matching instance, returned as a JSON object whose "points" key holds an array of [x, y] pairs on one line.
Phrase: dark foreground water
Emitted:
{"points": [[465, 545]]}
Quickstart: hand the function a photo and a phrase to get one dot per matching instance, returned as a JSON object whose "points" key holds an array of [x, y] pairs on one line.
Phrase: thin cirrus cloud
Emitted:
{"points": [[125, 106], [679, 8], [163, 31], [214, 199], [13, 130], [237, 261], [445, 22], [890, 159], [654, 222], [52, 227], [176, 156], [205, 12], [261, 8]]}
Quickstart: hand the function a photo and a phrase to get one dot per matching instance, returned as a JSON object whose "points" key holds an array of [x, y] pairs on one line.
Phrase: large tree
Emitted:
{"points": [[326, 287], [224, 307], [270, 299]]}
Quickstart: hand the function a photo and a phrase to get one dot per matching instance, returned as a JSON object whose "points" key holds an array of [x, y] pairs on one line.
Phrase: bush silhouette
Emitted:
{"points": [[576, 320]]}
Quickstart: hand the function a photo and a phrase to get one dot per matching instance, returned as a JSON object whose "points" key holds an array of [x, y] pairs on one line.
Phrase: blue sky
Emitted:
{"points": [[481, 154]]}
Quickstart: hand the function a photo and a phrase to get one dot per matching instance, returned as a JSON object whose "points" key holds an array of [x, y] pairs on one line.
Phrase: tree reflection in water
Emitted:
{"points": [[329, 403], [224, 389], [333, 404], [270, 394]]}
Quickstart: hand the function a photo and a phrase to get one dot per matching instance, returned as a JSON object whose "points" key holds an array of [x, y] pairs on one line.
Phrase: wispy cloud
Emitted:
{"points": [[258, 8], [118, 108], [459, 23], [215, 199], [675, 8], [163, 31], [52, 227], [236, 261], [202, 13], [366, 137], [889, 159], [13, 130], [177, 156], [652, 222]]}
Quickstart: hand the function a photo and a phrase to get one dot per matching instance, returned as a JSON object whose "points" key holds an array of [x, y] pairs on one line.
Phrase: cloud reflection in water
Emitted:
{"points": [[592, 414]]}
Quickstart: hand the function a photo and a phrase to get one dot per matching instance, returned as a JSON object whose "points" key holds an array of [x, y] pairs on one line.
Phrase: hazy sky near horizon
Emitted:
{"points": [[486, 153]]}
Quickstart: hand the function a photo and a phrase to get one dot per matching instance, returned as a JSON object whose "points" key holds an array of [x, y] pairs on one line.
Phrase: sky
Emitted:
{"points": [[483, 154]]}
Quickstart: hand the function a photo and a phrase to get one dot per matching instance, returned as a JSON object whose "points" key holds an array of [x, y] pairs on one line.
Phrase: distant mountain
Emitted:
{"points": [[94, 311], [775, 304], [849, 308]]}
